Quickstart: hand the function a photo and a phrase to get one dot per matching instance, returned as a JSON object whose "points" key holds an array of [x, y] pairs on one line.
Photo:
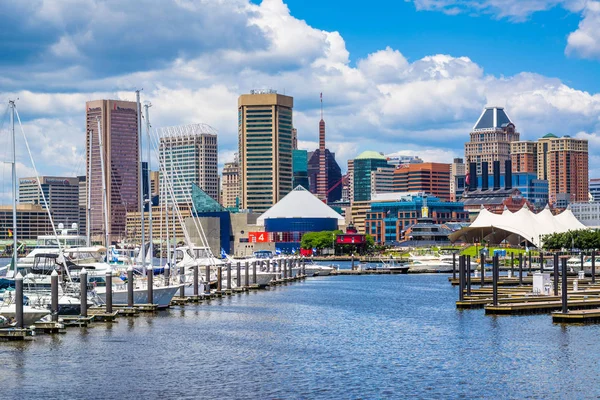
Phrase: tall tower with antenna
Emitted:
{"points": [[322, 182]]}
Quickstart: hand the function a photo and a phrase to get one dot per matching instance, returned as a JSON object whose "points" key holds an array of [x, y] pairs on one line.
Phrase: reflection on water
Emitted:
{"points": [[332, 337]]}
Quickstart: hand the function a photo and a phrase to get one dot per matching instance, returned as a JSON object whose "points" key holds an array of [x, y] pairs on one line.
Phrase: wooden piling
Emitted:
{"points": [[239, 275], [593, 266], [453, 266], [520, 268], [219, 278], [556, 274], [495, 268], [109, 299], [54, 295], [182, 281], [83, 295], [482, 259], [247, 275], [130, 286], [207, 281], [150, 282], [468, 274], [564, 286], [254, 280], [228, 276], [19, 301], [461, 278], [196, 282]]}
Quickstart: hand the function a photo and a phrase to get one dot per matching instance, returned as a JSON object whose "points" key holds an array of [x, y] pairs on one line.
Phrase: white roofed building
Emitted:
{"points": [[297, 213]]}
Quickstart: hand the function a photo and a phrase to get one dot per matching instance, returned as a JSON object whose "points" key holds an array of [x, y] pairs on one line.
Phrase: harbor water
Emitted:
{"points": [[367, 336]]}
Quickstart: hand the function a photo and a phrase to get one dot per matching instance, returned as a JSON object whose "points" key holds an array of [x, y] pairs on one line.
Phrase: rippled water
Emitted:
{"points": [[331, 337]]}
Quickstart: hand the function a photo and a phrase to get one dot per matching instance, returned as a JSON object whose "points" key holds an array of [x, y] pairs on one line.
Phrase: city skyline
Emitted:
{"points": [[406, 98]]}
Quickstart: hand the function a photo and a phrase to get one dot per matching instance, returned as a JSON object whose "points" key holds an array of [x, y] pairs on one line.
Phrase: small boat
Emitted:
{"points": [[30, 314], [161, 296]]}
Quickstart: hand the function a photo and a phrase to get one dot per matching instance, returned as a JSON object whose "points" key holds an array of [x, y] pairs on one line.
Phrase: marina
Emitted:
{"points": [[362, 332]]}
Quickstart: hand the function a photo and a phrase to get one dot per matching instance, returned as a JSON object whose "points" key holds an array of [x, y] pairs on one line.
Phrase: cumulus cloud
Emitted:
{"points": [[585, 41], [382, 102]]}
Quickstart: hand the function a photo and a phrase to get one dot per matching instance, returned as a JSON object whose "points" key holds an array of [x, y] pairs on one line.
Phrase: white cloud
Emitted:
{"points": [[384, 102], [585, 41]]}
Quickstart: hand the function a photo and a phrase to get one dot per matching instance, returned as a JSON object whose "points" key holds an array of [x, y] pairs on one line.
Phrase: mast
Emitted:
{"points": [[104, 196], [88, 219], [147, 106], [14, 183], [142, 252]]}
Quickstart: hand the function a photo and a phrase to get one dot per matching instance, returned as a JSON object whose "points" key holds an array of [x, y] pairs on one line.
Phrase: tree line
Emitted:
{"points": [[583, 239]]}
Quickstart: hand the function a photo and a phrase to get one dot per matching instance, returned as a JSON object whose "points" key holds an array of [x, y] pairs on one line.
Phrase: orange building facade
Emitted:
{"points": [[431, 178]]}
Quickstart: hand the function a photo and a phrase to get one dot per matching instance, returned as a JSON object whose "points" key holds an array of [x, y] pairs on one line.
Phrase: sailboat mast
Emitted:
{"points": [[147, 106], [88, 221], [142, 251], [104, 196], [14, 184]]}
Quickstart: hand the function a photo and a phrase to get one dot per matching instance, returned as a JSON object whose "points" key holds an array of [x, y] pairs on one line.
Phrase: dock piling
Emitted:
{"points": [[182, 281], [593, 266], [268, 265], [461, 278], [453, 266], [167, 275], [303, 267], [512, 264], [556, 274], [228, 276], [196, 281], [468, 272], [19, 300], [530, 258], [541, 262], [109, 299], [254, 273], [247, 275], [495, 268], [520, 268], [130, 286], [564, 286], [284, 266], [54, 295], [482, 259], [150, 281], [581, 257], [219, 279], [83, 289], [238, 275], [207, 280]]}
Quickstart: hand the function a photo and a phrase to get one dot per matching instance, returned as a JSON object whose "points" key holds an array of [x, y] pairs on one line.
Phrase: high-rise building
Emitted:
{"points": [[595, 189], [523, 155], [382, 180], [458, 173], [322, 181], [430, 178], [300, 168], [334, 174], [350, 180], [119, 123], [189, 156], [364, 164], [231, 185], [563, 162], [61, 195], [265, 148], [82, 205], [490, 139]]}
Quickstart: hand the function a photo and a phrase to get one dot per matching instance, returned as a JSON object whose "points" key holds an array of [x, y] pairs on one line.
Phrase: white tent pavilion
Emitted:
{"points": [[516, 228]]}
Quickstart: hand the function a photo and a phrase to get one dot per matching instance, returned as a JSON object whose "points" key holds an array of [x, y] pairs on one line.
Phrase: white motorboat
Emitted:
{"points": [[317, 270], [30, 314], [161, 296]]}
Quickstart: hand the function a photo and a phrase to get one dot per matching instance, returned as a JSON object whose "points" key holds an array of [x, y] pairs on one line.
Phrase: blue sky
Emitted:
{"points": [[408, 77]]}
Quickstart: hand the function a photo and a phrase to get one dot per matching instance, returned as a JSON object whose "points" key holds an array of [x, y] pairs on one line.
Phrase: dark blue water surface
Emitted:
{"points": [[344, 337]]}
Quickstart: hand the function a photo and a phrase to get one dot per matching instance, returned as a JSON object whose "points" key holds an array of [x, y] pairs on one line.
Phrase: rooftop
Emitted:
{"points": [[492, 118], [370, 155]]}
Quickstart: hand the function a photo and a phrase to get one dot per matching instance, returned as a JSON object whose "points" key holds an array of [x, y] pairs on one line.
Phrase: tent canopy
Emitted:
{"points": [[516, 228]]}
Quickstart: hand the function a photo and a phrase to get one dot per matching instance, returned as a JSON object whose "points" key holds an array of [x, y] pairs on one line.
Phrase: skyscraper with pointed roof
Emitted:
{"points": [[322, 175], [490, 139]]}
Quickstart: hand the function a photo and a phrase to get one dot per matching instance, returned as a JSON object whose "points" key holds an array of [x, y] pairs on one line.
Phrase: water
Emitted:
{"points": [[383, 336]]}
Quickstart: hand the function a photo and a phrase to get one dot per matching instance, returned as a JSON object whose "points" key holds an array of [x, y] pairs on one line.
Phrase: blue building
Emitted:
{"points": [[532, 189], [297, 213], [391, 214]]}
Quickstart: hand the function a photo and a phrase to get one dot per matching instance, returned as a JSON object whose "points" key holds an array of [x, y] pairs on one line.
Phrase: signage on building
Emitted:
{"points": [[258, 237], [57, 181], [27, 182]]}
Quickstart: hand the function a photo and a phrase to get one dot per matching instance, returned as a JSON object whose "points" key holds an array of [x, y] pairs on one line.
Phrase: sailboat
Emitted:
{"points": [[161, 294]]}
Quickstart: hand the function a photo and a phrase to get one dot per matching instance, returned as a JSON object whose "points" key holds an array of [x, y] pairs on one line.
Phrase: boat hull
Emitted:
{"points": [[161, 296]]}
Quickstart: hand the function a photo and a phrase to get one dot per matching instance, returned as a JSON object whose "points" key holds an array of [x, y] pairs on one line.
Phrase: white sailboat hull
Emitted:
{"points": [[30, 314]]}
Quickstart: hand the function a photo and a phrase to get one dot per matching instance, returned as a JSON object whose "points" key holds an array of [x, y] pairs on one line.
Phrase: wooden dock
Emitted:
{"points": [[577, 316], [10, 334], [540, 307]]}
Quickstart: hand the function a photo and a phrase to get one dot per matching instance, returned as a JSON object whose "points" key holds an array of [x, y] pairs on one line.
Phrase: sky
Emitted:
{"points": [[400, 77]]}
